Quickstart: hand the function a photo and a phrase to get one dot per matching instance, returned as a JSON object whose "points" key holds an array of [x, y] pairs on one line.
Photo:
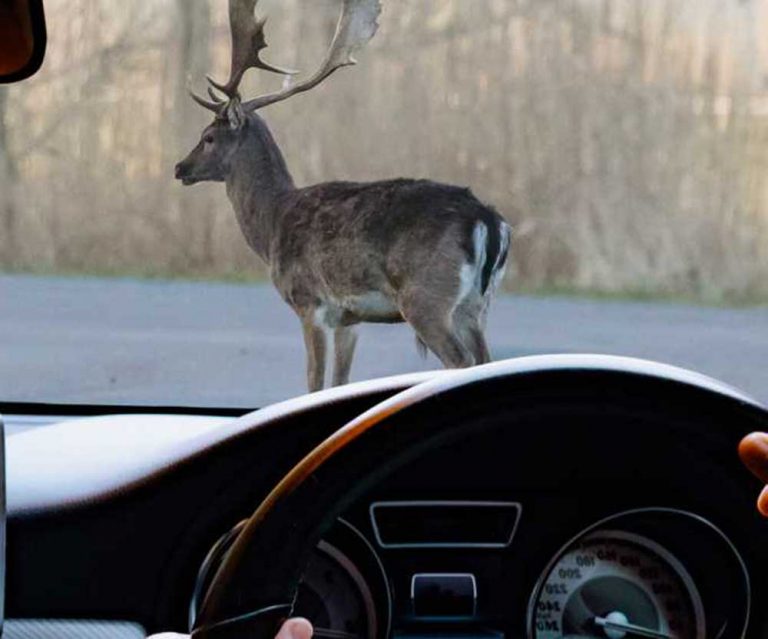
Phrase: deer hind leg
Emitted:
{"points": [[344, 341], [469, 319], [474, 339], [433, 322], [315, 343]]}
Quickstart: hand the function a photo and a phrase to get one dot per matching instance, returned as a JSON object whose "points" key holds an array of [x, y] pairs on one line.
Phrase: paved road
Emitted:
{"points": [[125, 341]]}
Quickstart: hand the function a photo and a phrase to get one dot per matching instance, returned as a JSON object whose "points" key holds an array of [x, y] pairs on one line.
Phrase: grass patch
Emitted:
{"points": [[254, 277], [243, 277], [642, 295]]}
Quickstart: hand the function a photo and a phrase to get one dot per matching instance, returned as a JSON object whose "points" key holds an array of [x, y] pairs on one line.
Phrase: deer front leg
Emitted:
{"points": [[314, 341], [344, 341]]}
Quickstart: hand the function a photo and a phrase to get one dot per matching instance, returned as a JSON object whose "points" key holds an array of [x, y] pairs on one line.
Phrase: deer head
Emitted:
{"points": [[211, 159]]}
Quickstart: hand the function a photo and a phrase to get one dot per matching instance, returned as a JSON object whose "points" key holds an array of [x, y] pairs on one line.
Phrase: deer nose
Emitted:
{"points": [[177, 171]]}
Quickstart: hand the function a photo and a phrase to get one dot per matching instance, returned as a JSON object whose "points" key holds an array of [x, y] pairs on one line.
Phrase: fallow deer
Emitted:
{"points": [[342, 253]]}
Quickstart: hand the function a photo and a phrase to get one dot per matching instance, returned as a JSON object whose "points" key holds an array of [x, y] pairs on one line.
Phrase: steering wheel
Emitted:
{"points": [[275, 544]]}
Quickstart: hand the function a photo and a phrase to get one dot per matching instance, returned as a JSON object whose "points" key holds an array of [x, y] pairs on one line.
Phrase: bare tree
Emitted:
{"points": [[8, 177]]}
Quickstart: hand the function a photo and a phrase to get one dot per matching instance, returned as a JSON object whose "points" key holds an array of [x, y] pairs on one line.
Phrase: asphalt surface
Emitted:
{"points": [[202, 344]]}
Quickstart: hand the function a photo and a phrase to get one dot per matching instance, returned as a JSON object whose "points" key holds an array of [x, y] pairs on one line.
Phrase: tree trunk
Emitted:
{"points": [[188, 119], [8, 175], [194, 24]]}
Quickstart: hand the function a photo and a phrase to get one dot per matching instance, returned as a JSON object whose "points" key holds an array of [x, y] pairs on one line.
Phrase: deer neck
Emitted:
{"points": [[257, 184]]}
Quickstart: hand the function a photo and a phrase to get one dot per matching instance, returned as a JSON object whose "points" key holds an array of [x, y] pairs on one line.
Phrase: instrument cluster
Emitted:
{"points": [[431, 568]]}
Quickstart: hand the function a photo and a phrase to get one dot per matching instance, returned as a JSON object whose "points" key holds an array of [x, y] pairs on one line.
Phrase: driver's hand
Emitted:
{"points": [[297, 628], [753, 451]]}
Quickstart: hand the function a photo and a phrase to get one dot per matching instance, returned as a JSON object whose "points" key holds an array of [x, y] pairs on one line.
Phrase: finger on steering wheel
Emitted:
{"points": [[753, 451], [296, 628]]}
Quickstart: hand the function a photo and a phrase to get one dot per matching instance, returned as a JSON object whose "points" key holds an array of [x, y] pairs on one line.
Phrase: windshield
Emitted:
{"points": [[583, 176]]}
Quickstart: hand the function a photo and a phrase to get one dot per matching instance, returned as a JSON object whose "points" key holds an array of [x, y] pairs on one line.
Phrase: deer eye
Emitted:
{"points": [[208, 139]]}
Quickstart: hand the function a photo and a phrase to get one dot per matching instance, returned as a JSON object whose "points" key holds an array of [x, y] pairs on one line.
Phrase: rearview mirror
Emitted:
{"points": [[22, 39]]}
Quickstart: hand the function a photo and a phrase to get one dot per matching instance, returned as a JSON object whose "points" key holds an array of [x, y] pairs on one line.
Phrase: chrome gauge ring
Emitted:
{"points": [[614, 584]]}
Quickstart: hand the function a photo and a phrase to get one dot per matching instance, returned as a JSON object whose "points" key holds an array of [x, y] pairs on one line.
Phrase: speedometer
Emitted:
{"points": [[615, 584]]}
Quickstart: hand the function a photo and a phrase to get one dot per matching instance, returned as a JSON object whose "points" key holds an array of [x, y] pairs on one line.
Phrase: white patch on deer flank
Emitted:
{"points": [[467, 281], [480, 241], [499, 269], [325, 318], [471, 273], [373, 304]]}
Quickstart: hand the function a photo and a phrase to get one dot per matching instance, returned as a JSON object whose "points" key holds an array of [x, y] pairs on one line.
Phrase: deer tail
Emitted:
{"points": [[495, 256]]}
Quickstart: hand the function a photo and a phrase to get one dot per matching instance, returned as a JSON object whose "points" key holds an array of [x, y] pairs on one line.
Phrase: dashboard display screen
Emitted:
{"points": [[443, 595], [445, 523]]}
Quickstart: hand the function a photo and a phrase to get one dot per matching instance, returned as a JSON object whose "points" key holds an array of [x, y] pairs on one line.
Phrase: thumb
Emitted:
{"points": [[296, 628]]}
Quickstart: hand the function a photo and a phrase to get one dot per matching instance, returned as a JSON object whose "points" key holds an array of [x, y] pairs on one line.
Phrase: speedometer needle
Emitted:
{"points": [[619, 623]]}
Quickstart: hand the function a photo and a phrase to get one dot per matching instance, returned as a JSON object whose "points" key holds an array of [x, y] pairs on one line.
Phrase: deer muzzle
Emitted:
{"points": [[181, 172]]}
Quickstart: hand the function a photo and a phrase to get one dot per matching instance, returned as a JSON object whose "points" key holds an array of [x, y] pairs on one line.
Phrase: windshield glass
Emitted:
{"points": [[155, 251]]}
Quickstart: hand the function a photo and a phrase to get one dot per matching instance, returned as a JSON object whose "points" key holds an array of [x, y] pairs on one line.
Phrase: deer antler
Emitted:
{"points": [[215, 104], [357, 25], [248, 41]]}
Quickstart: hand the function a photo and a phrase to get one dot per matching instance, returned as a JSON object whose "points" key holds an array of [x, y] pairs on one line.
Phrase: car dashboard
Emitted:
{"points": [[463, 545], [611, 514]]}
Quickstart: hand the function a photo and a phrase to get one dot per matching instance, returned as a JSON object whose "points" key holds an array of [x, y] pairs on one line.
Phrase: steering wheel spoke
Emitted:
{"points": [[259, 624]]}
